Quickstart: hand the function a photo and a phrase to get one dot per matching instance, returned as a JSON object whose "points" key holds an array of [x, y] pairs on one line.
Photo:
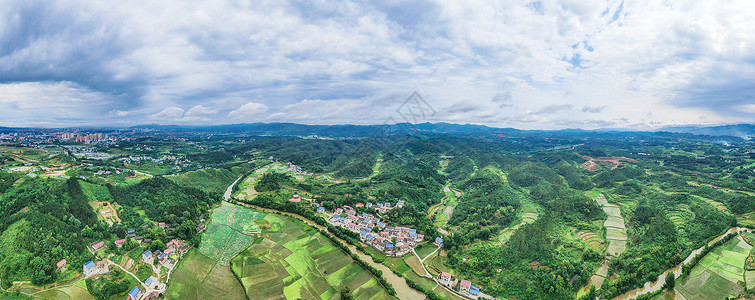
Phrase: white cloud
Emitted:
{"points": [[170, 114], [247, 111], [200, 111], [620, 59]]}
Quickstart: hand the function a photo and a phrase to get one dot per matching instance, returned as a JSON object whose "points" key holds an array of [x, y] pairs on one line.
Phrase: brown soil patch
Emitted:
{"points": [[536, 265], [612, 162]]}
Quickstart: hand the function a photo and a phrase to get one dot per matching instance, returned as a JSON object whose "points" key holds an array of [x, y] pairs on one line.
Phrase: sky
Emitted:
{"points": [[588, 64]]}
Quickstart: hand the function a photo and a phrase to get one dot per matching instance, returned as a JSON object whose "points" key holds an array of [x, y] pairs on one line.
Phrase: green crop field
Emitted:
{"points": [[206, 273], [719, 274], [200, 277], [231, 230], [295, 261]]}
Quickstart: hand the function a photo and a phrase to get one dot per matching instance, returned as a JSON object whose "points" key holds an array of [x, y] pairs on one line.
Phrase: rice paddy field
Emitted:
{"points": [[719, 274], [295, 261]]}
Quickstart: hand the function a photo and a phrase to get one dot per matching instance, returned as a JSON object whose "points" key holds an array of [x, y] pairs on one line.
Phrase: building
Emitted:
{"points": [[61, 265], [94, 268], [152, 282], [162, 224], [147, 257], [321, 209], [98, 245], [134, 294], [119, 243], [131, 232], [295, 198], [438, 241], [466, 286], [445, 278], [172, 244]]}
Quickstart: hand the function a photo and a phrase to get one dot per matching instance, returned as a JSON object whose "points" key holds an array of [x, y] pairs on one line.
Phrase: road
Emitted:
{"points": [[422, 262], [148, 290], [229, 190]]}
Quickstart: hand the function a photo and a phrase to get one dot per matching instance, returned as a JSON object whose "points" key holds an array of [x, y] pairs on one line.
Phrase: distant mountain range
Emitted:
{"points": [[745, 131]]}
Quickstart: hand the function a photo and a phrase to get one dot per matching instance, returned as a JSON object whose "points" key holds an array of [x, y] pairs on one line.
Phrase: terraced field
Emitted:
{"points": [[719, 274], [616, 235], [680, 216], [529, 214], [591, 238], [295, 261]]}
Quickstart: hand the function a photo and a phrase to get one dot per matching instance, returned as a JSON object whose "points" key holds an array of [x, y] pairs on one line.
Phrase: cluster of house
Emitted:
{"points": [[167, 159], [392, 240], [153, 284], [465, 287], [97, 246], [167, 257], [95, 268], [297, 169]]}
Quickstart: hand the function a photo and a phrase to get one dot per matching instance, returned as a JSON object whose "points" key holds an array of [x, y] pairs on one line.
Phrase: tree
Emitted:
{"points": [[345, 293], [670, 281]]}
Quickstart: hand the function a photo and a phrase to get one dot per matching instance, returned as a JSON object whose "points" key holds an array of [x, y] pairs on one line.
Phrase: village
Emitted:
{"points": [[393, 241], [152, 287]]}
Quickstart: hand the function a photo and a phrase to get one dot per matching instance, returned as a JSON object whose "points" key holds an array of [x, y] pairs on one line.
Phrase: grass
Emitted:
{"points": [[425, 249]]}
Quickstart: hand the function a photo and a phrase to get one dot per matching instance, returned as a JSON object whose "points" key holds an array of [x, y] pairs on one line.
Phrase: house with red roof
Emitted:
{"points": [[98, 245], [61, 265]]}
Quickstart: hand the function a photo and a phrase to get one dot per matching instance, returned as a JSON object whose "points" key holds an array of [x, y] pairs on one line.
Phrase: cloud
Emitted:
{"points": [[169, 114], [552, 109], [497, 62], [248, 110], [590, 109], [200, 111]]}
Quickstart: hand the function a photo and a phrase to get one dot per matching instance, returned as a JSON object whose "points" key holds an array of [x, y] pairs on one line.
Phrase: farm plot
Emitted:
{"points": [[591, 238], [205, 273], [222, 243], [719, 274], [200, 277], [295, 261]]}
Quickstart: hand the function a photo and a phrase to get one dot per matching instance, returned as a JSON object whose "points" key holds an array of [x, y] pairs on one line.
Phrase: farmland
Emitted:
{"points": [[294, 261], [206, 272], [718, 275]]}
